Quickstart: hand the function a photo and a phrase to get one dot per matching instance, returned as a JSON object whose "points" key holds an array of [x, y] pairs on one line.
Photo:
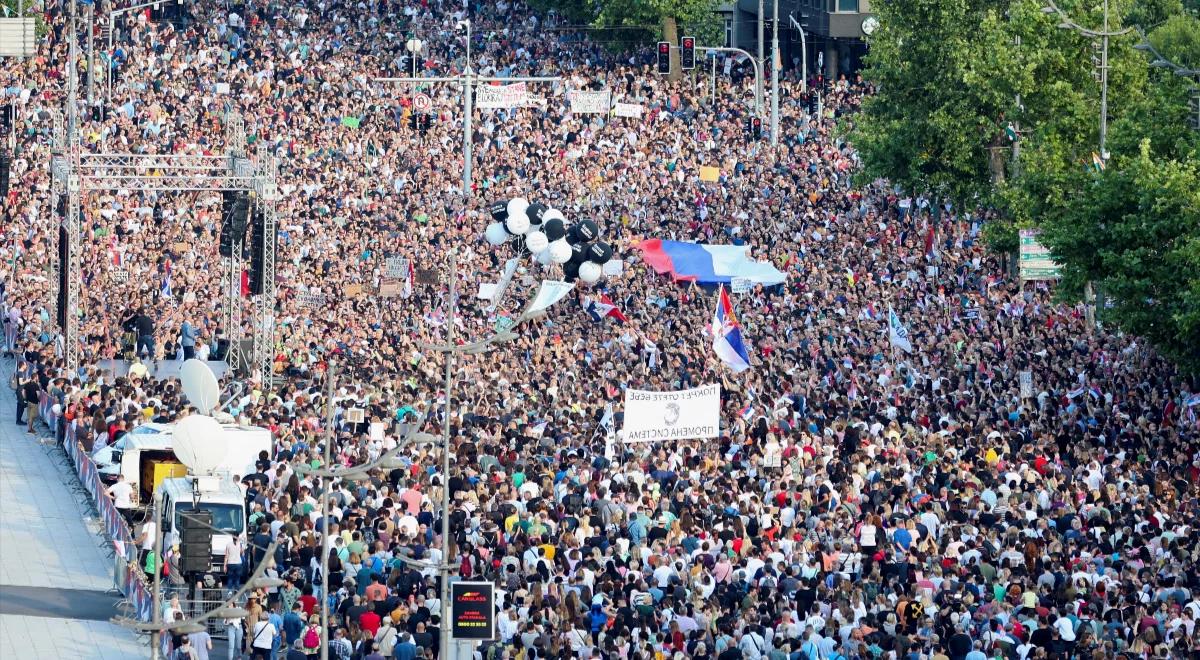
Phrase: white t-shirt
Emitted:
{"points": [[150, 529], [233, 551], [264, 635], [122, 494]]}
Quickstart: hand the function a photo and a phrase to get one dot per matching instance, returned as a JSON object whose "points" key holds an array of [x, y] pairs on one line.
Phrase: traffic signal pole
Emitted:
{"points": [[758, 101]]}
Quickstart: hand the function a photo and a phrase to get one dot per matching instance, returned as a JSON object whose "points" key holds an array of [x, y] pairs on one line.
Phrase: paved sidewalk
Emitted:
{"points": [[49, 541]]}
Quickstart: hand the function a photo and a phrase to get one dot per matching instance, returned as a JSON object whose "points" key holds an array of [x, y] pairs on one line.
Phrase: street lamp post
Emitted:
{"points": [[776, 61], [413, 46], [1192, 76], [1104, 35]]}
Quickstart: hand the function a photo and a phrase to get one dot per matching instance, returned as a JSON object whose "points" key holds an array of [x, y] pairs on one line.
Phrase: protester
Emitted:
{"points": [[862, 501]]}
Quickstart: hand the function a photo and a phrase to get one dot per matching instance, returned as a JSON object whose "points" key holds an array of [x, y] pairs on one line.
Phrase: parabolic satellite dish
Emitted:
{"points": [[200, 385], [199, 443]]}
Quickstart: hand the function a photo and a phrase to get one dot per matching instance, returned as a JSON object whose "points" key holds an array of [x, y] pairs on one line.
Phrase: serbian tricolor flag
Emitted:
{"points": [[602, 307], [165, 291], [727, 335]]}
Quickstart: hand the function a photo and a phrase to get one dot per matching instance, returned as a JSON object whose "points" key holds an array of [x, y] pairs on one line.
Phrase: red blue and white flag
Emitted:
{"points": [[602, 307], [727, 335]]}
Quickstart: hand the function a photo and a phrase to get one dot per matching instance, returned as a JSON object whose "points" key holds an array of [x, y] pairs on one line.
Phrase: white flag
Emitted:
{"points": [[897, 333]]}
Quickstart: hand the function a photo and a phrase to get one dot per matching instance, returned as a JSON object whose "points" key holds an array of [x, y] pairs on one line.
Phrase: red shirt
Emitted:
{"points": [[369, 622], [309, 603]]}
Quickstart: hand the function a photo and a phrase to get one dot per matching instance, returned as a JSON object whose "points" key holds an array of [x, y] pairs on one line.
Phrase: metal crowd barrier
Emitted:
{"points": [[130, 580]]}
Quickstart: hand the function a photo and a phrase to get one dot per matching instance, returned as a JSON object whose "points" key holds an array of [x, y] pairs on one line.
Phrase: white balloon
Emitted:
{"points": [[560, 251], [590, 272], [495, 234], [517, 223], [552, 214], [517, 206], [536, 241]]}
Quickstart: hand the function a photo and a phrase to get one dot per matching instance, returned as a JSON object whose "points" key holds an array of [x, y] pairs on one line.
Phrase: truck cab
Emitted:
{"points": [[219, 495]]}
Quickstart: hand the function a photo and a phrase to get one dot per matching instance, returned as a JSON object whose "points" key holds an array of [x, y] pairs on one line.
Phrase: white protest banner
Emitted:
{"points": [[682, 415], [396, 268], [501, 96], [502, 286], [550, 292], [590, 103], [631, 110], [741, 285], [614, 267], [1026, 380]]}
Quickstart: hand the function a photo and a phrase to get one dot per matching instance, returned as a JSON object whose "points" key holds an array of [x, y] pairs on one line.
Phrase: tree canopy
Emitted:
{"points": [[949, 74]]}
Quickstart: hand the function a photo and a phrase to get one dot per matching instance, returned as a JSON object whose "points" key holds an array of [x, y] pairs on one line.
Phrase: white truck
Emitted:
{"points": [[221, 496], [146, 455]]}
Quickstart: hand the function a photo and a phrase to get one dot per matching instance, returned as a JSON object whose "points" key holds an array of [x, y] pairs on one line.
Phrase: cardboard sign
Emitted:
{"points": [[353, 290], [396, 267], [427, 276], [631, 110], [710, 174], [390, 289]]}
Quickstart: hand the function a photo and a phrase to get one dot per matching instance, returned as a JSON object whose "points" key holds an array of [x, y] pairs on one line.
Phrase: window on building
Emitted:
{"points": [[729, 33], [847, 5]]}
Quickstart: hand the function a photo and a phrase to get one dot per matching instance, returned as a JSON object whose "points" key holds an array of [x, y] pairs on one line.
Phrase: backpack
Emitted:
{"points": [[311, 639]]}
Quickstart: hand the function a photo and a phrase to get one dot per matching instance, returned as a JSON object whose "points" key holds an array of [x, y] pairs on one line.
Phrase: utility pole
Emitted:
{"points": [[326, 483], [445, 568], [91, 48], [1104, 34], [156, 636], [758, 89], [776, 61]]}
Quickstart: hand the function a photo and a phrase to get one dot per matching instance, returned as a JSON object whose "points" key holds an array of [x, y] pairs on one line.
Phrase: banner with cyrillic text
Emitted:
{"points": [[590, 103], [682, 415], [501, 96]]}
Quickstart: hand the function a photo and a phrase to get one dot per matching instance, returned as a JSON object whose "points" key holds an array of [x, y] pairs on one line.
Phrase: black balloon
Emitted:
{"points": [[587, 229], [535, 213], [499, 211], [570, 271], [554, 229], [579, 253], [599, 253], [574, 237]]}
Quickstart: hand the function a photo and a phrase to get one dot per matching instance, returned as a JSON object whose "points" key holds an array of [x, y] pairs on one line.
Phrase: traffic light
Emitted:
{"points": [[754, 128], [195, 541], [664, 57], [687, 53]]}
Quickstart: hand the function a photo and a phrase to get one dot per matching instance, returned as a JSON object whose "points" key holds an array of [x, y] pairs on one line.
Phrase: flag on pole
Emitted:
{"points": [[602, 307], [727, 335], [166, 281], [897, 333]]}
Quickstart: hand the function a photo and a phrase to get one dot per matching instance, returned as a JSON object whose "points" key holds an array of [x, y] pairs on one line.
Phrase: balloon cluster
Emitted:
{"points": [[550, 239]]}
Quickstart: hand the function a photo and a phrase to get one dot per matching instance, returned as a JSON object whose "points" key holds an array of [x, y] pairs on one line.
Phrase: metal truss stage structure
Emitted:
{"points": [[77, 174]]}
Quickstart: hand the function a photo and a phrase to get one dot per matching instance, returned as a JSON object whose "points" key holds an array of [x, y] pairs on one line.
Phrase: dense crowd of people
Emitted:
{"points": [[861, 502]]}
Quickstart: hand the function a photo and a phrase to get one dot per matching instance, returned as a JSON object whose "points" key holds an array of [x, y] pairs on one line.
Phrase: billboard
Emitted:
{"points": [[472, 610]]}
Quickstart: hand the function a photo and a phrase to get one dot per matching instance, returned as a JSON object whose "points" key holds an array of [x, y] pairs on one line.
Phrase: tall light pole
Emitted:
{"points": [[803, 53], [467, 81], [1192, 76], [413, 46], [1104, 35], [327, 483], [445, 568], [776, 60], [762, 17]]}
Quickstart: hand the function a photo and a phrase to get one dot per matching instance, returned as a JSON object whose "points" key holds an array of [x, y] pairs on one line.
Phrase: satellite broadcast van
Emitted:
{"points": [[146, 455], [220, 495]]}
